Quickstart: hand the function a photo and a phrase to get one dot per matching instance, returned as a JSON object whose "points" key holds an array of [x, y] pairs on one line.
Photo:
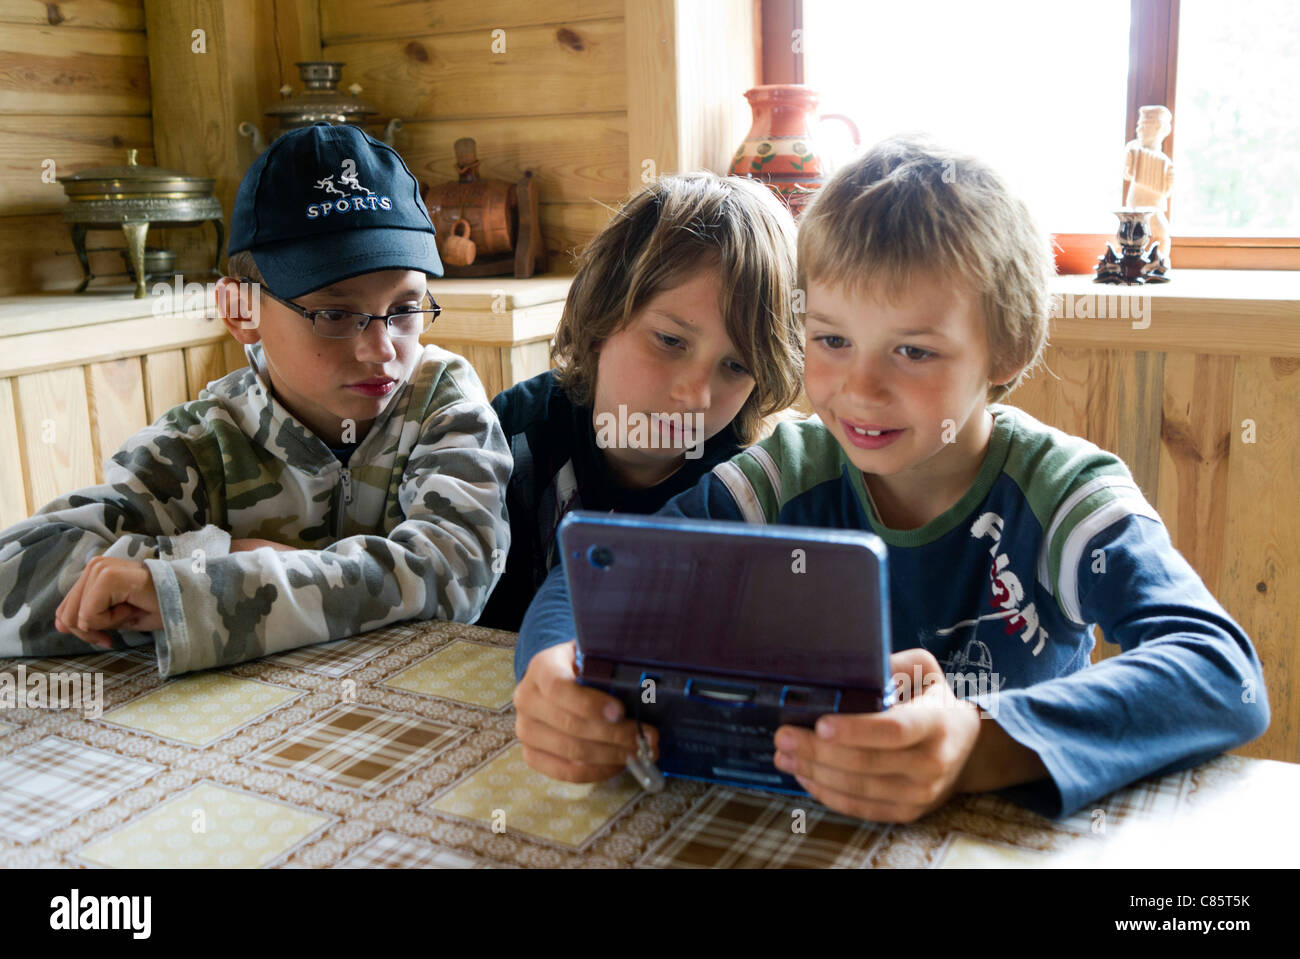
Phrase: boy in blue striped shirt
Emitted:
{"points": [[927, 302]]}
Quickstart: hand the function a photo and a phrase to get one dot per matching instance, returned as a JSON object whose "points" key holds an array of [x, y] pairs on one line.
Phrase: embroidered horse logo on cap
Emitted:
{"points": [[346, 202]]}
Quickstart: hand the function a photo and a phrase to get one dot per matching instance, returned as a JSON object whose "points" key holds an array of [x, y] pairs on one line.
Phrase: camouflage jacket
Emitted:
{"points": [[409, 530]]}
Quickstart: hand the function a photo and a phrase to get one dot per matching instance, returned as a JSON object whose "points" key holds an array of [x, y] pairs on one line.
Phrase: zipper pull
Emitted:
{"points": [[346, 478]]}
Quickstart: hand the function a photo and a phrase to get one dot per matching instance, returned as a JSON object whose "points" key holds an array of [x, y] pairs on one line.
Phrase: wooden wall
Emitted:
{"points": [[554, 101], [74, 88], [1205, 409], [584, 92], [593, 95]]}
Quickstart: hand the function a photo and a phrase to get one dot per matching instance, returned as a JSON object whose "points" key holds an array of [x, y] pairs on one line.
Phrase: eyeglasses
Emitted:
{"points": [[345, 325]]}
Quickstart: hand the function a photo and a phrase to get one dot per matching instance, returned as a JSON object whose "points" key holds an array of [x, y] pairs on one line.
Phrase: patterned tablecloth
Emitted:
{"points": [[396, 748]]}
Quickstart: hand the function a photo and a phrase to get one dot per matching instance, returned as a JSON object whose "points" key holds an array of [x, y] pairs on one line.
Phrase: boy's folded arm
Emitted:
{"points": [[436, 563], [153, 503], [1187, 686]]}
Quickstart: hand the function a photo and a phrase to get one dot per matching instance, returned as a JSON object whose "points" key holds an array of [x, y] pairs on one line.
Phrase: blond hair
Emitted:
{"points": [[662, 236], [908, 208]]}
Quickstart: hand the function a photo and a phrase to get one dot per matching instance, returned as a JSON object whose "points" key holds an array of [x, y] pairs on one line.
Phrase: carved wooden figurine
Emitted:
{"points": [[1149, 173]]}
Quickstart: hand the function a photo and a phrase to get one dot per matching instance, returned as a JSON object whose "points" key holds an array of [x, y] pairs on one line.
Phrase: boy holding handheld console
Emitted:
{"points": [[927, 302]]}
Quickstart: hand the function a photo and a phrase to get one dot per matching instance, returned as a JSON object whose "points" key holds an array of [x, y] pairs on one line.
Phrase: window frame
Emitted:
{"points": [[1152, 78]]}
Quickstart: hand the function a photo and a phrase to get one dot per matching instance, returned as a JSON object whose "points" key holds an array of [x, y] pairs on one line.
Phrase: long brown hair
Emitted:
{"points": [[662, 236]]}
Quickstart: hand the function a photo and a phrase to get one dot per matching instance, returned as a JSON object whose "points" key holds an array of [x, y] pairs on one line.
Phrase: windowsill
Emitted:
{"points": [[1215, 311], [1199, 311], [489, 309]]}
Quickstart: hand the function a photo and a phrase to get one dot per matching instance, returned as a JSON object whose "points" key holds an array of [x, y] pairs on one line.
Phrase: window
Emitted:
{"points": [[1238, 118], [1036, 89], [1049, 92]]}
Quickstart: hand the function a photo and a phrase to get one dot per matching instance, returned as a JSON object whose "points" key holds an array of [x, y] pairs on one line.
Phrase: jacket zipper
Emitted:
{"points": [[345, 480]]}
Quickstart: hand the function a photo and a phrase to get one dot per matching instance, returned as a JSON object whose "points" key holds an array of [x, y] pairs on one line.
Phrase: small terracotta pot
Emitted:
{"points": [[1077, 253]]}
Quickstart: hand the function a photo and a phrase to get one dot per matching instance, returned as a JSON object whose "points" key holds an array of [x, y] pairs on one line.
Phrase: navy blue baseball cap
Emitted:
{"points": [[327, 202]]}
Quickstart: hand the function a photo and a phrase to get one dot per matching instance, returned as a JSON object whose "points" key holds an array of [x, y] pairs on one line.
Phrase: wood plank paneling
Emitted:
{"points": [[523, 362], [53, 349], [686, 107], [13, 473], [568, 227], [1063, 400], [1195, 441], [1261, 557], [575, 158], [1103, 400], [400, 18], [164, 382], [1139, 386], [74, 143], [653, 142], [56, 433], [199, 101], [1035, 393], [233, 351], [487, 362], [203, 364], [717, 61], [102, 14], [68, 70], [36, 254], [1208, 325], [74, 88], [545, 70], [115, 396]]}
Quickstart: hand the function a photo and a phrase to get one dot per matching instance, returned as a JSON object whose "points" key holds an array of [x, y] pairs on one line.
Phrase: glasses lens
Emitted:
{"points": [[343, 325], [338, 324], [406, 324], [411, 324]]}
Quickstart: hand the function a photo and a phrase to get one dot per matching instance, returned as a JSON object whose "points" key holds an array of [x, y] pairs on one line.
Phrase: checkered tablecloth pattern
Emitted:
{"points": [[396, 750]]}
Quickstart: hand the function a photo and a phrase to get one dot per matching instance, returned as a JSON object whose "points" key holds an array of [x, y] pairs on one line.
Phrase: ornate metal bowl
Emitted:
{"points": [[132, 197]]}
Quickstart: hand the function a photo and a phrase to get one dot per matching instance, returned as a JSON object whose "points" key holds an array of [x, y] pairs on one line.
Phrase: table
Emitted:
{"points": [[396, 749]]}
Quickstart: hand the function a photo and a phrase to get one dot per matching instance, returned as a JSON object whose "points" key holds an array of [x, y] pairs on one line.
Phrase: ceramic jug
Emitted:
{"points": [[781, 148]]}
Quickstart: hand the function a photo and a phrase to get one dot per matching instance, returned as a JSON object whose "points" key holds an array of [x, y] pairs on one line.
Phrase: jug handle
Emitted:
{"points": [[853, 127]]}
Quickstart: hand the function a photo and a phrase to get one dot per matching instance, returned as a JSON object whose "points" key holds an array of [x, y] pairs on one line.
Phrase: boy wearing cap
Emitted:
{"points": [[348, 478]]}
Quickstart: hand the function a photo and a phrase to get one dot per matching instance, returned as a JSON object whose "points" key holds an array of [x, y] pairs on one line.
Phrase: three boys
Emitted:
{"points": [[926, 303]]}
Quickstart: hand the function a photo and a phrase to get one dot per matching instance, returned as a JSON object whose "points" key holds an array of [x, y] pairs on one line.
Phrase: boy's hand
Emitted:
{"points": [[244, 545], [571, 732], [893, 766], [110, 594]]}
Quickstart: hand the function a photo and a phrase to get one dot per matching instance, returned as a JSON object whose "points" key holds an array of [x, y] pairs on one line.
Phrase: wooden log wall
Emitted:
{"points": [[582, 92], [546, 91], [562, 88], [74, 89]]}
